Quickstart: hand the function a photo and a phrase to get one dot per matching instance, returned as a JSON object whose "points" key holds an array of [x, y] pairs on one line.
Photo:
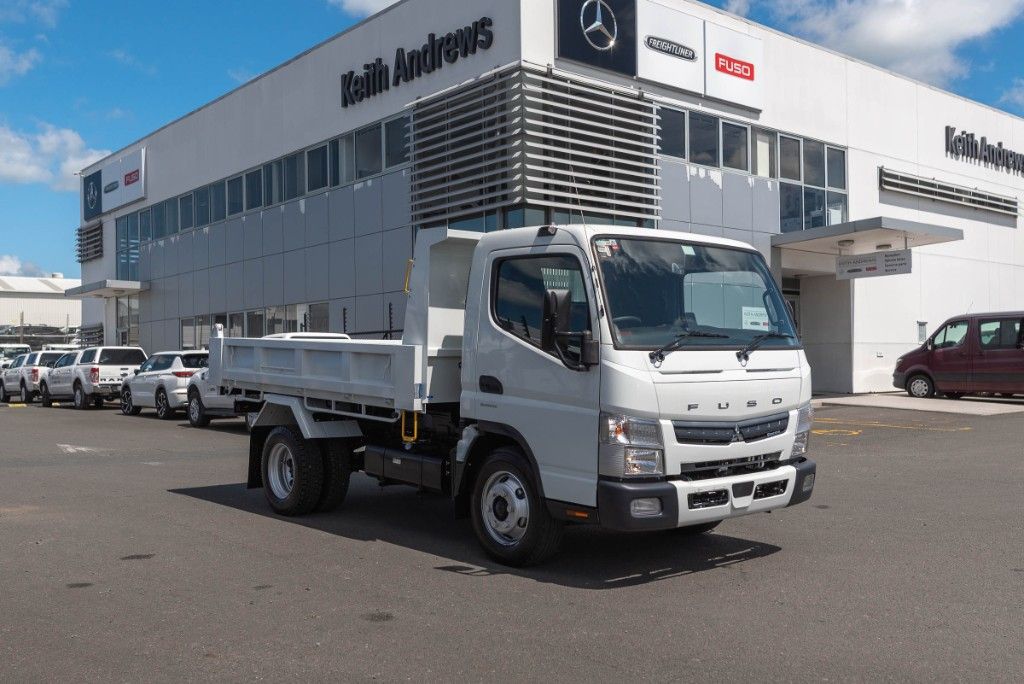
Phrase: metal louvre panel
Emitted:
{"points": [[946, 192], [91, 335], [89, 242]]}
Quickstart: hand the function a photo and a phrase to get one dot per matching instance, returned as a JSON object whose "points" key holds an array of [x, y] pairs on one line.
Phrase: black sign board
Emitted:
{"points": [[92, 195], [600, 33]]}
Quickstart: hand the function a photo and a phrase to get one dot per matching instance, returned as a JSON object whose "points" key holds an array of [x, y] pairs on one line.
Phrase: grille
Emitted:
{"points": [[946, 192], [728, 467], [726, 433]]}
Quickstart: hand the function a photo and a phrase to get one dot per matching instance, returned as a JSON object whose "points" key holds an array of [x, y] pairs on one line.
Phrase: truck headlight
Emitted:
{"points": [[630, 447], [804, 421]]}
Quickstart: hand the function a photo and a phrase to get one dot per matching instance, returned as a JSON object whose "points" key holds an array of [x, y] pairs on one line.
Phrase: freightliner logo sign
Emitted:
{"points": [[964, 145], [378, 77]]}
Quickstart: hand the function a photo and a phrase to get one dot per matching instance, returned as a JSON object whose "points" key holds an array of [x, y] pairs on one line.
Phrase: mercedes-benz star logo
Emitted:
{"points": [[91, 195], [599, 27]]}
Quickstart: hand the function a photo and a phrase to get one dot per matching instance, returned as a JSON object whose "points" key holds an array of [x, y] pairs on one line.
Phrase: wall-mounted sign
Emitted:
{"points": [[600, 33], [378, 77], [734, 66], [873, 265], [966, 145], [673, 47], [118, 183]]}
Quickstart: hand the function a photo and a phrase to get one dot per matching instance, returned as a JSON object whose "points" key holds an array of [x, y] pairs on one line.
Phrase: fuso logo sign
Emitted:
{"points": [[131, 177], [734, 67]]}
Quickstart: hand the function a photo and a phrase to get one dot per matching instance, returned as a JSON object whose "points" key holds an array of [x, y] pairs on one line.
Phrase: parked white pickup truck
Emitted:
{"points": [[636, 379], [90, 376], [23, 377]]}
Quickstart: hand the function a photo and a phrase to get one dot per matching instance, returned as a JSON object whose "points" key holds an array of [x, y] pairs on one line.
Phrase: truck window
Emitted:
{"points": [[121, 357], [88, 356], [1000, 334], [951, 335], [47, 359], [519, 293], [65, 360]]}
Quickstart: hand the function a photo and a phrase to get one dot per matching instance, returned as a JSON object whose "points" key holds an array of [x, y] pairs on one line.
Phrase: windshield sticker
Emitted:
{"points": [[688, 250], [606, 248], [755, 318]]}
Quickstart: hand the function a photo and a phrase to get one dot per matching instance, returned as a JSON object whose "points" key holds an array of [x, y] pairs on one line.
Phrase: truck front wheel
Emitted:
{"points": [[293, 473], [510, 518]]}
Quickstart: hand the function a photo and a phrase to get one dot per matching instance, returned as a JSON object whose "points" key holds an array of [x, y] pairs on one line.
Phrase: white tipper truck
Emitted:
{"points": [[633, 378]]}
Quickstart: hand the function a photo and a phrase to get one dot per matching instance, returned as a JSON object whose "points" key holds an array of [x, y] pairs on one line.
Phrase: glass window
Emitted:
{"points": [[792, 201], [836, 168], [316, 169], [133, 231], [368, 152], [764, 153], [291, 318], [201, 200], [161, 362], [195, 361], [255, 323], [186, 213], [1000, 334], [951, 335], [236, 325], [273, 183], [159, 221], [254, 190], [673, 132], [396, 140], [218, 202], [318, 318], [814, 208], [814, 163], [837, 208], [202, 332], [121, 232], [235, 196], [703, 139], [117, 357], [520, 288], [789, 158], [188, 333], [735, 144], [342, 161], [145, 226], [275, 320], [88, 356], [294, 183], [521, 217], [171, 212]]}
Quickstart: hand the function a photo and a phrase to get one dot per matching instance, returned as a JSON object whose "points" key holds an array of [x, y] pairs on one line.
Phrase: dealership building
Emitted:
{"points": [[883, 205]]}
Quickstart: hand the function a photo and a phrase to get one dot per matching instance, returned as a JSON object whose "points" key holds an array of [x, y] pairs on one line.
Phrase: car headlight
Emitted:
{"points": [[804, 421], [630, 447]]}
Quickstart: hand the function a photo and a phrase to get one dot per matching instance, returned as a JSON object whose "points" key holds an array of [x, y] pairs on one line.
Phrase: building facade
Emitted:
{"points": [[292, 202]]}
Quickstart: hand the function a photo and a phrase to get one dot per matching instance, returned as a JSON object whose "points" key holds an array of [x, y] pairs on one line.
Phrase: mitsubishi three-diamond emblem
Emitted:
{"points": [[599, 25]]}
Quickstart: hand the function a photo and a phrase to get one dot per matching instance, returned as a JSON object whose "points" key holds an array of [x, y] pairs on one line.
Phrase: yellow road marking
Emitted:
{"points": [[839, 421], [838, 433]]}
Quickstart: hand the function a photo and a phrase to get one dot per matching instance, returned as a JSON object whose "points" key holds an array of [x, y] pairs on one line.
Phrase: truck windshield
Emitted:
{"points": [[657, 290]]}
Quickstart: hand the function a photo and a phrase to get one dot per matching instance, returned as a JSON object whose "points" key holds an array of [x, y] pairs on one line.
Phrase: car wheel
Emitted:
{"points": [[197, 417], [510, 517], [128, 406], [4, 397], [44, 396], [920, 387], [26, 396], [81, 402], [163, 406], [293, 473], [97, 402]]}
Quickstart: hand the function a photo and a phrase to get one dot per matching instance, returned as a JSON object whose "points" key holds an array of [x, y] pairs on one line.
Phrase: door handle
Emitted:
{"points": [[491, 385]]}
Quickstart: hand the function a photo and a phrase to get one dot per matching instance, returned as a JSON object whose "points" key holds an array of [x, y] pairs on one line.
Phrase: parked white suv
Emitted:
{"points": [[207, 401], [9, 352], [162, 383], [23, 377], [91, 376]]}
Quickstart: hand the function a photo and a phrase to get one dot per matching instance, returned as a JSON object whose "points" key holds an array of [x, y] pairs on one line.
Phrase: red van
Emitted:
{"points": [[968, 355]]}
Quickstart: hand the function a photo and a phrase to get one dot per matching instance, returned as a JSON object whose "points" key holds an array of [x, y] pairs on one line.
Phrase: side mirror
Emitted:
{"points": [[136, 371], [557, 307], [930, 345]]}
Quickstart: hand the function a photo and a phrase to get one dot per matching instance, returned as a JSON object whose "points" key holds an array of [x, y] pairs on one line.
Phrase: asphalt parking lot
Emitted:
{"points": [[130, 551]]}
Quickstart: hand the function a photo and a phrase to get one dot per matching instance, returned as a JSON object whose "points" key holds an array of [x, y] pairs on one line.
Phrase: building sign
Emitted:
{"points": [[873, 265], [673, 49], [968, 146], [118, 183], [409, 64], [599, 33], [734, 67]]}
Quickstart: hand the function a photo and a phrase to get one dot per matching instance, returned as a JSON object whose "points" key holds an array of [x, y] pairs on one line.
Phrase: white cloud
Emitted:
{"points": [[918, 38], [241, 75], [16, 63], [53, 155], [740, 7], [1014, 95], [20, 11], [11, 265], [362, 8], [131, 61]]}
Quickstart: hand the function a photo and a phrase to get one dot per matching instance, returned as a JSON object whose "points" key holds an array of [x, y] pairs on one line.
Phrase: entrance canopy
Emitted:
{"points": [[106, 289]]}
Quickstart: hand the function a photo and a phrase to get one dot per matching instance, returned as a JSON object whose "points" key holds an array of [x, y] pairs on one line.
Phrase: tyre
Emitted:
{"points": [[4, 396], [26, 396], [954, 395], [1006, 395], [128, 406], [920, 387], [79, 399], [337, 457], [163, 405], [97, 402], [197, 417], [293, 473], [694, 530], [44, 396], [510, 518]]}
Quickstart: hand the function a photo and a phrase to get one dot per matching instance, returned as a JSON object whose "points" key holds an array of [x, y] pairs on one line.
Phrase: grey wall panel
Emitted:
{"points": [[317, 267], [370, 314], [675, 191], [342, 276], [218, 301], [766, 206], [316, 220], [273, 280], [252, 288], [252, 235], [146, 336], [157, 260], [217, 245], [146, 304], [746, 236], [294, 226], [368, 264], [171, 339], [171, 256], [155, 304], [342, 313], [235, 240], [368, 207], [397, 250], [341, 214], [394, 306], [186, 294], [294, 277], [396, 208], [700, 229], [273, 231], [186, 249], [145, 263], [202, 247], [234, 284], [705, 197], [681, 226], [738, 201], [172, 295], [201, 287], [763, 243]]}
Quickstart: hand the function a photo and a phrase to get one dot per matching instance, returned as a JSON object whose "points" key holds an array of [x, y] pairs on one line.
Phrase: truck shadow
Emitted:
{"points": [[591, 558]]}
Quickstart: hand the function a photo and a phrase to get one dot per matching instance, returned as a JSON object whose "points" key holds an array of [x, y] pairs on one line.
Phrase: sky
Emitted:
{"points": [[79, 78]]}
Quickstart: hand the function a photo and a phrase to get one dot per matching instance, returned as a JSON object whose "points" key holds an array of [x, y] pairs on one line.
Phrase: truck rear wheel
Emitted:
{"points": [[293, 473], [510, 518], [337, 473]]}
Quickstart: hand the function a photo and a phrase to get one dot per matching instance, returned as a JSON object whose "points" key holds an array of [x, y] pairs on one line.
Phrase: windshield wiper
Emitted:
{"points": [[743, 355], [658, 355]]}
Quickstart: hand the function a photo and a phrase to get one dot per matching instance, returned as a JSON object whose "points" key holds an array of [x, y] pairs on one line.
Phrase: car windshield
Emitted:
{"points": [[658, 290], [126, 357]]}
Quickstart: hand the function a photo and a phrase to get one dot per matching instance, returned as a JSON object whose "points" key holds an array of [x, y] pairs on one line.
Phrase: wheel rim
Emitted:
{"points": [[161, 404], [24, 395], [919, 387], [193, 409], [126, 401], [505, 508], [79, 397], [281, 470]]}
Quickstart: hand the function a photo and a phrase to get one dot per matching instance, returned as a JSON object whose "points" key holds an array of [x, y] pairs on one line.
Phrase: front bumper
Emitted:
{"points": [[682, 501], [899, 380]]}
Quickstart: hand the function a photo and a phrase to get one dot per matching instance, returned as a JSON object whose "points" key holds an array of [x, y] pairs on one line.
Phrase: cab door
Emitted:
{"points": [[998, 364], [530, 393], [143, 385], [950, 359], [59, 380]]}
